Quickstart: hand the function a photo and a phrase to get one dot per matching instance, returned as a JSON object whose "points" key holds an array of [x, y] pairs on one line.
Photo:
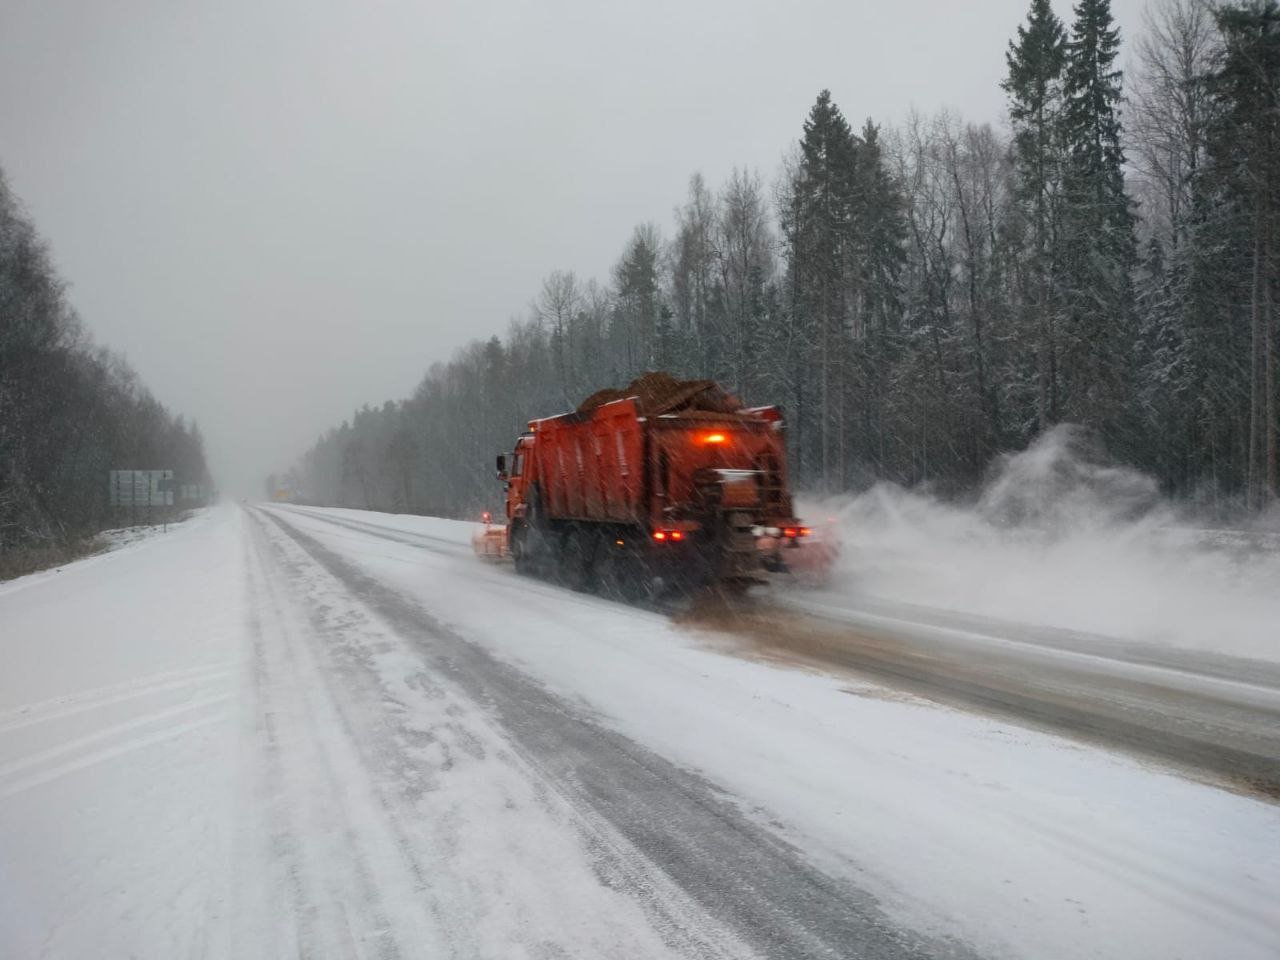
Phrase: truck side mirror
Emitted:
{"points": [[502, 466]]}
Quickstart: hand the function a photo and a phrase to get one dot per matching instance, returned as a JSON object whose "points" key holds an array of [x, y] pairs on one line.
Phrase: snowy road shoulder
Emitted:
{"points": [[118, 706]]}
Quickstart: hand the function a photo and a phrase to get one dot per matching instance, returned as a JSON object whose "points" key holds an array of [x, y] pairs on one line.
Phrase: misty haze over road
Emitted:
{"points": [[282, 212]]}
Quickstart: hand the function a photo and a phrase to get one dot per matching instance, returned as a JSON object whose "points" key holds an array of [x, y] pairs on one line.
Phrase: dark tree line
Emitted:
{"points": [[922, 298], [70, 412]]}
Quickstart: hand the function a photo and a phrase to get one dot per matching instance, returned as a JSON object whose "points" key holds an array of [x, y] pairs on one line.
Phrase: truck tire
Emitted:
{"points": [[621, 573], [540, 546], [610, 568], [520, 549], [576, 552]]}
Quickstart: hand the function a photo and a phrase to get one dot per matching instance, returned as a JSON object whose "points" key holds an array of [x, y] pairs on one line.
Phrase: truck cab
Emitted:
{"points": [[514, 474]]}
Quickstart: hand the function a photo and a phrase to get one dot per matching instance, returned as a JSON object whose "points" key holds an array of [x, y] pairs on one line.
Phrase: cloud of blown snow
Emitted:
{"points": [[1059, 537]]}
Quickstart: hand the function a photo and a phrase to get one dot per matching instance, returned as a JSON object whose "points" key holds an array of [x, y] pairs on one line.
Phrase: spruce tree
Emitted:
{"points": [[817, 228], [878, 223], [1034, 87], [636, 315], [1245, 147], [878, 228], [1099, 248]]}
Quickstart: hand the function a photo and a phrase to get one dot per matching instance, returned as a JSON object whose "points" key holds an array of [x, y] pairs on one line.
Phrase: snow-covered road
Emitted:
{"points": [[330, 733], [1212, 715]]}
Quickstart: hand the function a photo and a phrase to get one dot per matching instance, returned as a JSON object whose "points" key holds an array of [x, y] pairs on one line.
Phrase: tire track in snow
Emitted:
{"points": [[1233, 742], [56, 708], [107, 733], [487, 896], [440, 545], [681, 826], [129, 746], [318, 849]]}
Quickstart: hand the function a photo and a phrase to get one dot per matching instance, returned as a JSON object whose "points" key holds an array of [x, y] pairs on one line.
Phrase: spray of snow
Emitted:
{"points": [[1059, 537]]}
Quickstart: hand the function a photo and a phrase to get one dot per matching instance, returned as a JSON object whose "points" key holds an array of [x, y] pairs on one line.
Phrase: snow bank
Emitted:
{"points": [[122, 537], [1060, 538], [118, 697]]}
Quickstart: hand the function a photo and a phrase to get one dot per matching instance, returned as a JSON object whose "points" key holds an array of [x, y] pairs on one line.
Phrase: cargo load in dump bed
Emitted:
{"points": [[664, 481]]}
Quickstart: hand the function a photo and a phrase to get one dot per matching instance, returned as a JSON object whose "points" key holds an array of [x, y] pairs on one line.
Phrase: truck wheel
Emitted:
{"points": [[621, 573], [520, 549], [575, 559], [639, 585], [541, 543], [611, 568]]}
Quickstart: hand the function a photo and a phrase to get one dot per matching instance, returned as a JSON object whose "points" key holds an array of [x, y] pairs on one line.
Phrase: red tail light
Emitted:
{"points": [[677, 535], [805, 531], [659, 534], [789, 532]]}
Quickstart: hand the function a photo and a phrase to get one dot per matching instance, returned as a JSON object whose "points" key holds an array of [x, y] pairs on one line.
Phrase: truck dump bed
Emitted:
{"points": [[590, 466], [641, 455], [662, 482]]}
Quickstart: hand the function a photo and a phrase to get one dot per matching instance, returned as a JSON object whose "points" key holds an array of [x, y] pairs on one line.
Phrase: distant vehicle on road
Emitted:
{"points": [[666, 481]]}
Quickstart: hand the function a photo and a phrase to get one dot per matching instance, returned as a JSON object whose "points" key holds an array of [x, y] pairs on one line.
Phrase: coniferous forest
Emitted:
{"points": [[70, 412], [923, 297]]}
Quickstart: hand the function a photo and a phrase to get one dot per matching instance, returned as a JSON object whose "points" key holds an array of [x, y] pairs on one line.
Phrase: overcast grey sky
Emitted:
{"points": [[282, 210]]}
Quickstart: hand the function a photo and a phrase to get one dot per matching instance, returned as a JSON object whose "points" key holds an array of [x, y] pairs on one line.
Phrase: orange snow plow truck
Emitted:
{"points": [[665, 482]]}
